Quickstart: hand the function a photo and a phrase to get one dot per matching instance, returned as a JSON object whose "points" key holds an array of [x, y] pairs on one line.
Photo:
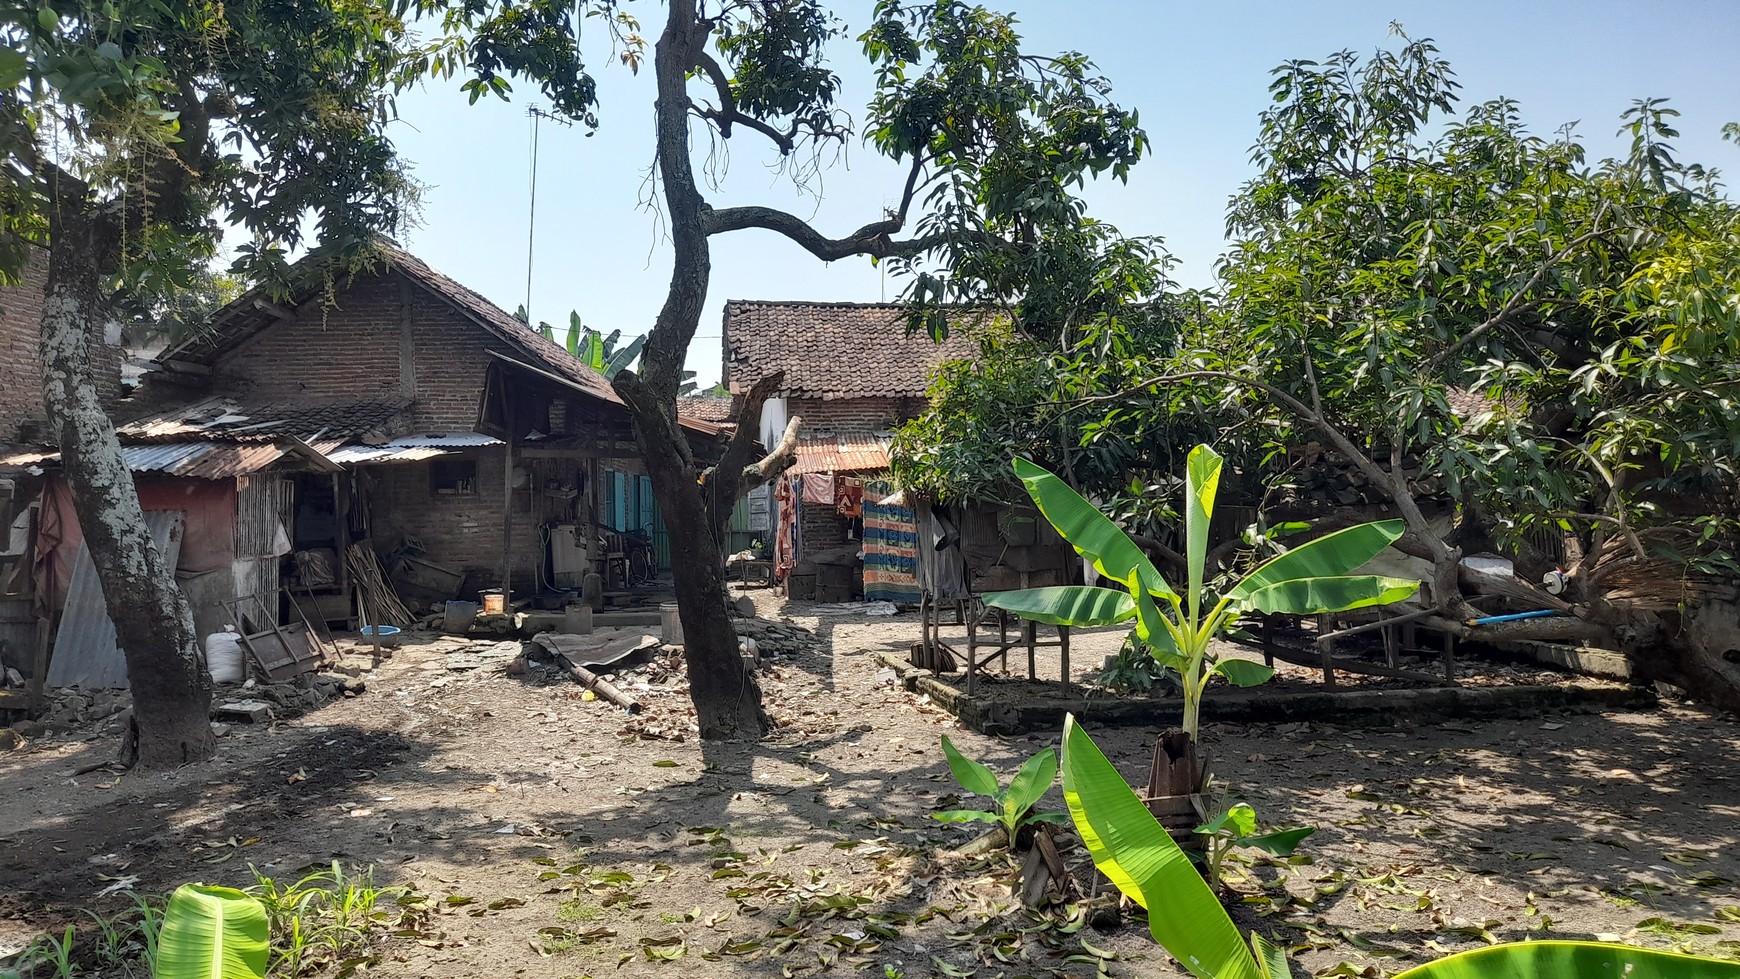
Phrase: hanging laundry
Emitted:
{"points": [[786, 545], [849, 498], [819, 488]]}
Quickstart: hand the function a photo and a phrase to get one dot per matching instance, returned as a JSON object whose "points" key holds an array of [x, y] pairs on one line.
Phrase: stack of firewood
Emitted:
{"points": [[380, 604]]}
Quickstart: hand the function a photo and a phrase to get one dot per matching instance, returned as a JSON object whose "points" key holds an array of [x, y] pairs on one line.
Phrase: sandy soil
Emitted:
{"points": [[574, 840]]}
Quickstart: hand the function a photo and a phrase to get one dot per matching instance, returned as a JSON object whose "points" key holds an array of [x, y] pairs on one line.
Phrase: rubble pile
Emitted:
{"points": [[779, 638], [68, 710]]}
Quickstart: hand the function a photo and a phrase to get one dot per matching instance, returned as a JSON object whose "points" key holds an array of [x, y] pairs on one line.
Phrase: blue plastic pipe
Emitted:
{"points": [[1545, 613]]}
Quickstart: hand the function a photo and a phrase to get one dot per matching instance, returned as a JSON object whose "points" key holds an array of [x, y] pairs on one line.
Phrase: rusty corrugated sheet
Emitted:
{"points": [[844, 453]]}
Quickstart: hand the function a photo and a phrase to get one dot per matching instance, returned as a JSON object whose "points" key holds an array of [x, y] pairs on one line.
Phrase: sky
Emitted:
{"points": [[1197, 73]]}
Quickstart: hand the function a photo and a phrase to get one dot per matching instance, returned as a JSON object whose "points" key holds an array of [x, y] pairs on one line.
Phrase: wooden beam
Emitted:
{"points": [[277, 311]]}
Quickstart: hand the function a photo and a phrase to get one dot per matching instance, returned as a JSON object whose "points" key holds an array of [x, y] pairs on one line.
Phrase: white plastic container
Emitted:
{"points": [[223, 655]]}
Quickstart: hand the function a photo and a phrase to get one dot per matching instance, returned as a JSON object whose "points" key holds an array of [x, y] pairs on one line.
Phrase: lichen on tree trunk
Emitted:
{"points": [[153, 621]]}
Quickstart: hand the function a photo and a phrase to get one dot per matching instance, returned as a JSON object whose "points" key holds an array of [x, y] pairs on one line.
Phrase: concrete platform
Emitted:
{"points": [[1369, 708]]}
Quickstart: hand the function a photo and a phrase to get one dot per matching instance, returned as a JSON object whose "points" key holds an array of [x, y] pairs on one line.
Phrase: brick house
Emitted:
{"points": [[852, 374], [384, 373], [23, 421]]}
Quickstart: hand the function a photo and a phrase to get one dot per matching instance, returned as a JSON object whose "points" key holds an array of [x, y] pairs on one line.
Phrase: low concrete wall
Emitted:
{"points": [[1375, 708]]}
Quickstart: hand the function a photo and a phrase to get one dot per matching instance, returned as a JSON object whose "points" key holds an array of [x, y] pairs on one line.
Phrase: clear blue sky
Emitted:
{"points": [[1197, 72]]}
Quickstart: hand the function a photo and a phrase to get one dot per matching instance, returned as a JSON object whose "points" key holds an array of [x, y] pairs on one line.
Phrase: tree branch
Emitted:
{"points": [[1515, 302], [727, 474], [728, 115], [783, 457], [872, 239]]}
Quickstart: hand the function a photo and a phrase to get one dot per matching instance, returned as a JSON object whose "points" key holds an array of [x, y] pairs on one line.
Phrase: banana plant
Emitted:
{"points": [[1136, 853], [211, 933], [1011, 807], [1178, 628]]}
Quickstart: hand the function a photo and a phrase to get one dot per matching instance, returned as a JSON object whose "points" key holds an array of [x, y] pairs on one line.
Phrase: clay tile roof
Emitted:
{"points": [[549, 355], [833, 350], [706, 407]]}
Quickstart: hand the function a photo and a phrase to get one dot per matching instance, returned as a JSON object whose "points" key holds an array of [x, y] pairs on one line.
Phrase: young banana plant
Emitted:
{"points": [[1178, 628], [1138, 856]]}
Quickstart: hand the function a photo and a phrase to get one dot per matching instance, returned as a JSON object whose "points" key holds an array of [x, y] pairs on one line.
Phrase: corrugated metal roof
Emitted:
{"points": [[844, 452], [411, 448], [446, 440], [197, 460], [228, 420], [165, 457], [364, 455]]}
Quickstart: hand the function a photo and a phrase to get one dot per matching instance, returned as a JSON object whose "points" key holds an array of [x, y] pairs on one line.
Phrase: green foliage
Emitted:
{"points": [[1237, 827], [1132, 670], [325, 917], [1137, 854], [1012, 807], [212, 933], [1552, 341], [1310, 578]]}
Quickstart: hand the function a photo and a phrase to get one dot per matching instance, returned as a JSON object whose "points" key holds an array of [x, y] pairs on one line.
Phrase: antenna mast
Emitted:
{"points": [[537, 115]]}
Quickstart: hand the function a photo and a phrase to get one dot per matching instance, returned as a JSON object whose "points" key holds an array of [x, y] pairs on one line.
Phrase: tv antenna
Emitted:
{"points": [[537, 116]]}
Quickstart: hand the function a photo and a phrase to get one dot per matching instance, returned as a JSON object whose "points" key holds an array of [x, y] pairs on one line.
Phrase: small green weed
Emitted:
{"points": [[578, 909]]}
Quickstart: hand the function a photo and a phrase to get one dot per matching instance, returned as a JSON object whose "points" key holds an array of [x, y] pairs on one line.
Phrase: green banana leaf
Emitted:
{"points": [[1572, 960], [1271, 961], [1327, 556], [1280, 843], [1241, 818], [1243, 672], [1029, 784], [1082, 605], [966, 816], [211, 933], [1090, 532], [1136, 854], [1308, 596], [1151, 629], [1203, 477], [624, 357], [974, 777]]}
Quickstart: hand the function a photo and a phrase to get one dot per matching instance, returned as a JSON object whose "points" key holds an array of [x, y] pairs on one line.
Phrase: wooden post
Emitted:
{"points": [[1269, 640], [972, 647], [1030, 632], [1063, 649], [1326, 648], [507, 511]]}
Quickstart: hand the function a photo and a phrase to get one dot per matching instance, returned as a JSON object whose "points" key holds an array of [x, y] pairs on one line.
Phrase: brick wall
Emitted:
{"points": [[22, 416], [353, 351], [859, 414], [823, 528], [464, 532]]}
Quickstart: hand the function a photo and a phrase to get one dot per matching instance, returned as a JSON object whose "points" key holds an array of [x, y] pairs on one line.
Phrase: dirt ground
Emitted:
{"points": [[560, 837]]}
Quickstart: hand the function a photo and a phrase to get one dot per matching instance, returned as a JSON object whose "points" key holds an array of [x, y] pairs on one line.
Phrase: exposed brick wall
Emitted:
{"points": [[22, 415], [823, 528], [464, 532], [352, 351], [860, 414]]}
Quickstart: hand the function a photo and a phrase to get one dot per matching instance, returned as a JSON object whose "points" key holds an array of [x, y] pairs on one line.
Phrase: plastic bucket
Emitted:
{"points": [[389, 634], [494, 603], [671, 623], [459, 616]]}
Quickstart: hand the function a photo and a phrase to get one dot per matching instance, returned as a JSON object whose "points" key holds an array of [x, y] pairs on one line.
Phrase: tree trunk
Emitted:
{"points": [[727, 699], [153, 621], [1701, 655]]}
